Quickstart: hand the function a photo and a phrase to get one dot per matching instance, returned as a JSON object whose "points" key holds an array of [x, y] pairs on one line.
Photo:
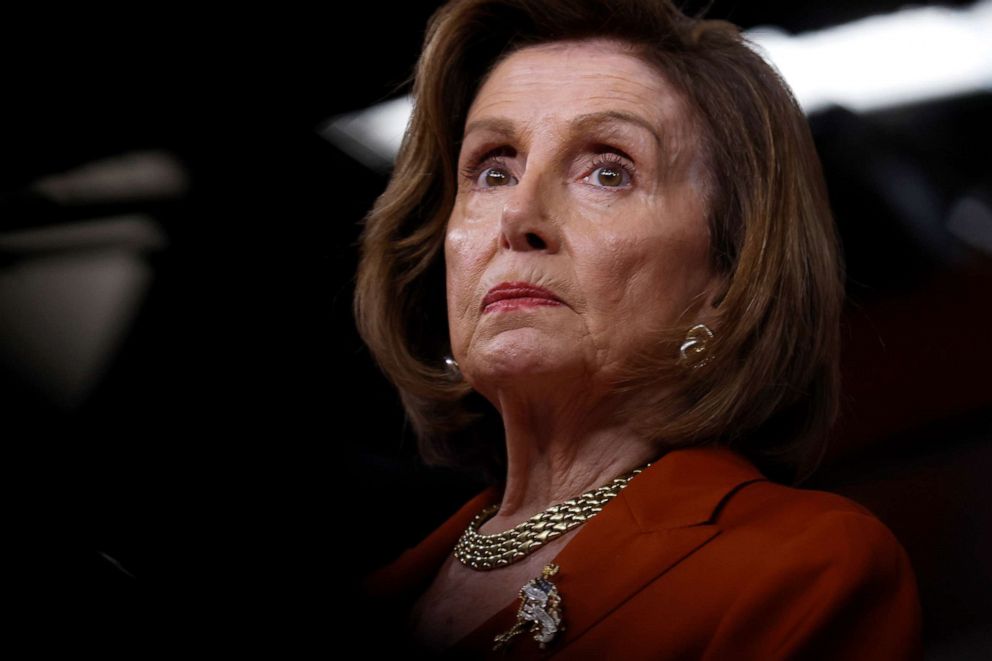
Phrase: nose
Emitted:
{"points": [[528, 220]]}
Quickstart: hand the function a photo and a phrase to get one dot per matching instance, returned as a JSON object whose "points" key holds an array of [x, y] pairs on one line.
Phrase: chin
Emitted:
{"points": [[506, 361]]}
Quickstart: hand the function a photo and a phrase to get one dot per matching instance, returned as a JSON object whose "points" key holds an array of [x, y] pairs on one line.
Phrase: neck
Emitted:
{"points": [[557, 450]]}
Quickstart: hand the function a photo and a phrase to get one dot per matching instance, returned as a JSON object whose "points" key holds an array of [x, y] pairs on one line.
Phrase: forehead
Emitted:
{"points": [[546, 86], [583, 75]]}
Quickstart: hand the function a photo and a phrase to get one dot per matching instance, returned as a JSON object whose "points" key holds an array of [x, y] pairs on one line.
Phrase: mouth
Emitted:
{"points": [[513, 295]]}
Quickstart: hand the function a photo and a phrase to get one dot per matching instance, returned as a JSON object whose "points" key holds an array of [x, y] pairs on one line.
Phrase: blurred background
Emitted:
{"points": [[199, 445]]}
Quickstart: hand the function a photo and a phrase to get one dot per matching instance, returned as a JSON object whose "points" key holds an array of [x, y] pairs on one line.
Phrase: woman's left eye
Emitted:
{"points": [[611, 174]]}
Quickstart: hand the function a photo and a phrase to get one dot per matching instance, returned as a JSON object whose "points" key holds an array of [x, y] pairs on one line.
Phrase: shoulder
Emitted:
{"points": [[787, 509], [792, 533], [825, 569], [837, 548]]}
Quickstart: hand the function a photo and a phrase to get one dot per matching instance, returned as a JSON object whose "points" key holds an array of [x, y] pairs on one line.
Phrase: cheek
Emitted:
{"points": [[615, 259], [464, 265], [643, 279], [470, 240]]}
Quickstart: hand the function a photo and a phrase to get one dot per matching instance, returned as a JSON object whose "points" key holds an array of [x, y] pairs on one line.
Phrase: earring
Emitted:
{"points": [[451, 367], [693, 349]]}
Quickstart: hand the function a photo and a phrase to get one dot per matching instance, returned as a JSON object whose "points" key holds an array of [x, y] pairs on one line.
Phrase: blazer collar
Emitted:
{"points": [[662, 516], [686, 487]]}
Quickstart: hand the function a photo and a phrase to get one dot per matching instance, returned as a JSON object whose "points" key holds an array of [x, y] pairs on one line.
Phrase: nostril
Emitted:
{"points": [[535, 241]]}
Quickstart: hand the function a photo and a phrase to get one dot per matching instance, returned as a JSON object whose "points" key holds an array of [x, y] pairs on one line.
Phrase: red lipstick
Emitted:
{"points": [[510, 295]]}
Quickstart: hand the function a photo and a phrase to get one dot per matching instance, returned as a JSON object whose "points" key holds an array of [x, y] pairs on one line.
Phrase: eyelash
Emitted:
{"points": [[611, 160], [474, 169], [494, 159]]}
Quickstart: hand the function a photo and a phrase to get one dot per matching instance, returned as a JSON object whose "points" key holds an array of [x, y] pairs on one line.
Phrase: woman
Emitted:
{"points": [[604, 273]]}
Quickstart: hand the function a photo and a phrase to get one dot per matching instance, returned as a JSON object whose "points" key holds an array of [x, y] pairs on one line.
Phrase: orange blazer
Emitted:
{"points": [[700, 557]]}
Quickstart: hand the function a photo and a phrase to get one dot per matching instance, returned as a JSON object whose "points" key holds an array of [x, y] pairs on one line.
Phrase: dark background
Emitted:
{"points": [[240, 461]]}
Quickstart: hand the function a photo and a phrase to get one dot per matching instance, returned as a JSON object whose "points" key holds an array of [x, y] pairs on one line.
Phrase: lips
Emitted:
{"points": [[521, 292]]}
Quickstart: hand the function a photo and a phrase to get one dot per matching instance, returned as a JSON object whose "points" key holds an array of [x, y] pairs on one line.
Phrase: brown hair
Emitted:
{"points": [[770, 388]]}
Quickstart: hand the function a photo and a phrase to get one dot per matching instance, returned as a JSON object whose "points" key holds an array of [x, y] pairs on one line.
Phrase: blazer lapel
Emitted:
{"points": [[664, 515]]}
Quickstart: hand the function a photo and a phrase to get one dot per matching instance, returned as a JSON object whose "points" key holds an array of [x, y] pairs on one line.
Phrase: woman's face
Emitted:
{"points": [[579, 173]]}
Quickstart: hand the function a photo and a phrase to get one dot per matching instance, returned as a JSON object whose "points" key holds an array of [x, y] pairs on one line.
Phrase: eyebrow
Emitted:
{"points": [[584, 122], [607, 117]]}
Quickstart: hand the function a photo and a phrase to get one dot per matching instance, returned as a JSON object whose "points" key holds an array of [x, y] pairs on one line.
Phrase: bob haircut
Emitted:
{"points": [[769, 387]]}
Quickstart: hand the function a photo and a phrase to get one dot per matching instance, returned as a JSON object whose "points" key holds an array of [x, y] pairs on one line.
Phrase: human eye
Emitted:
{"points": [[489, 171], [497, 174], [611, 170]]}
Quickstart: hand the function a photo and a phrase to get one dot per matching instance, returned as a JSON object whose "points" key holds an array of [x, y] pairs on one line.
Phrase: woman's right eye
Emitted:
{"points": [[494, 176], [490, 170]]}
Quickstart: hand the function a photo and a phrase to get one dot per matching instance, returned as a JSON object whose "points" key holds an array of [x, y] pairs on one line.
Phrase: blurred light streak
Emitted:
{"points": [[372, 136], [908, 56], [68, 296], [134, 176], [881, 61], [970, 220], [133, 231]]}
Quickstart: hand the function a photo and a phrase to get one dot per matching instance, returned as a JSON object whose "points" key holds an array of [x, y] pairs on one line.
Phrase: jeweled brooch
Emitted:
{"points": [[540, 611]]}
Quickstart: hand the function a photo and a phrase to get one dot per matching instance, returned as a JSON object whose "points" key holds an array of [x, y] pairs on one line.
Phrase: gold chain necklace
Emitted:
{"points": [[484, 552]]}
